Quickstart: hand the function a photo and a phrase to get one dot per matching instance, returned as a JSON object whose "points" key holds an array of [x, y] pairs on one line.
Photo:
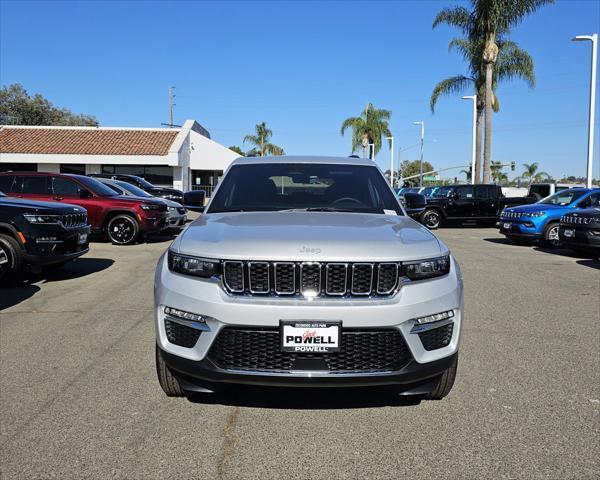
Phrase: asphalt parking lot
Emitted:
{"points": [[80, 399]]}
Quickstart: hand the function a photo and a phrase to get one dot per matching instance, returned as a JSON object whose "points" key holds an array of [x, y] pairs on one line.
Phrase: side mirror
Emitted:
{"points": [[414, 202], [83, 193], [194, 200]]}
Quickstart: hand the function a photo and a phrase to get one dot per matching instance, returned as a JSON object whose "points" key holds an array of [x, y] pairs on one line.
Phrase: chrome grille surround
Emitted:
{"points": [[311, 279], [74, 220], [505, 214], [575, 220]]}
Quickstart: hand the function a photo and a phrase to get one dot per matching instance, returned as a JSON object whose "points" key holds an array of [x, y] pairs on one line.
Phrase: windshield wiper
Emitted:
{"points": [[317, 209]]}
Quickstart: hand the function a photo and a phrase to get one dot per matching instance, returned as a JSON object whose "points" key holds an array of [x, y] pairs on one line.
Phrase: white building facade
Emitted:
{"points": [[184, 157]]}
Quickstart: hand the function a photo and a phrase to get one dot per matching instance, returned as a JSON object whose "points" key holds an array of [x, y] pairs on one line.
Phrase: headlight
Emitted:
{"points": [[536, 214], [42, 219], [188, 265], [171, 209], [423, 269], [150, 206]]}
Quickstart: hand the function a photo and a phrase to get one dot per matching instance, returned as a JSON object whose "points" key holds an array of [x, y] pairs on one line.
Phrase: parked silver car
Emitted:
{"points": [[177, 212], [307, 272]]}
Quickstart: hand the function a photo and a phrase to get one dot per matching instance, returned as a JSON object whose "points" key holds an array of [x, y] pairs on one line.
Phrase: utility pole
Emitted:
{"points": [[171, 95], [590, 150], [473, 140], [422, 142]]}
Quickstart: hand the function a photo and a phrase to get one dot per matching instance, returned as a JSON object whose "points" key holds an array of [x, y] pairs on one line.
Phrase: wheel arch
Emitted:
{"points": [[110, 214], [8, 229]]}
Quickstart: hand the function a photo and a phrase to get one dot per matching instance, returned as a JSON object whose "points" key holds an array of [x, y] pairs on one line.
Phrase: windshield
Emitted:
{"points": [[138, 192], [563, 198], [304, 186], [142, 182], [97, 186], [442, 192]]}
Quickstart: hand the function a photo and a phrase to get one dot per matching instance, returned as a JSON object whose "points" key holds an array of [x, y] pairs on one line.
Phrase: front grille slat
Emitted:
{"points": [[259, 349], [73, 220], [310, 279]]}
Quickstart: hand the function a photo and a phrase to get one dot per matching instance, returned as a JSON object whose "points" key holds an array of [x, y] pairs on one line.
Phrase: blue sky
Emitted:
{"points": [[302, 67]]}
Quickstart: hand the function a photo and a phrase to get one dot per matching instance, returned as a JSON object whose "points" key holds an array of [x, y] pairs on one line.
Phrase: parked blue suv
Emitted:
{"points": [[540, 220]]}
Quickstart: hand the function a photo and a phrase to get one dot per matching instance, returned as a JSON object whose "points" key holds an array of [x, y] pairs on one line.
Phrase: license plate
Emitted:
{"points": [[310, 336], [506, 226], [567, 232], [82, 238]]}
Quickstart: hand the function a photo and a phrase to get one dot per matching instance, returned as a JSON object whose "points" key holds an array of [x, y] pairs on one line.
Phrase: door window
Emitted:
{"points": [[6, 183], [465, 193], [35, 185], [482, 193], [64, 187]]}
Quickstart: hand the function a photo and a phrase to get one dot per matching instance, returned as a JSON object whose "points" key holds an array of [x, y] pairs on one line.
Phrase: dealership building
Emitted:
{"points": [[183, 157]]}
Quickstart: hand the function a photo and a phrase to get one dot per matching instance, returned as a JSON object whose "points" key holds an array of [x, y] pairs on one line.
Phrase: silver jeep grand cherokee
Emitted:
{"points": [[306, 271]]}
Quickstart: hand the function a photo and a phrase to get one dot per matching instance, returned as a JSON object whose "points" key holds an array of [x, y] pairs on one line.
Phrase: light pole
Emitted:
{"points": [[391, 139], [474, 98], [422, 141], [372, 151], [594, 39]]}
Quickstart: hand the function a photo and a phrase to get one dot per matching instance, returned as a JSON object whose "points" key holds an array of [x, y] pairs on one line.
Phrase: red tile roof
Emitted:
{"points": [[86, 141]]}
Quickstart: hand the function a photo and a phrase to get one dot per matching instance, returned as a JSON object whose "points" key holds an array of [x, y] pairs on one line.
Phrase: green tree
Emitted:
{"points": [[371, 127], [485, 24], [531, 173], [467, 174], [17, 107], [410, 168], [261, 141], [513, 62], [238, 150]]}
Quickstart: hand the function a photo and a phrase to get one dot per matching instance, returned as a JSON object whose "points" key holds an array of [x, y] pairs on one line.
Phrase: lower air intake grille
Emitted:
{"points": [[180, 334], [437, 338], [259, 350]]}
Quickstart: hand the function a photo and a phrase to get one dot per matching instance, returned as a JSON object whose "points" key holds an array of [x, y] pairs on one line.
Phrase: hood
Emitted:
{"points": [[37, 207], [308, 236], [535, 207]]}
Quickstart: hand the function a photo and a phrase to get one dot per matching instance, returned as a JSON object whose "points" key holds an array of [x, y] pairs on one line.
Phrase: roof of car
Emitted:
{"points": [[303, 159]]}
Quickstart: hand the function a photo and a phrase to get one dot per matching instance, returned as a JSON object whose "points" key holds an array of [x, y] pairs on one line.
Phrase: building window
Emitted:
{"points": [[76, 168], [18, 167], [156, 174]]}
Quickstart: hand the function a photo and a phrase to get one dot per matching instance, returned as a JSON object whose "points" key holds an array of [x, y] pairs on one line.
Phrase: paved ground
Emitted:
{"points": [[79, 397]]}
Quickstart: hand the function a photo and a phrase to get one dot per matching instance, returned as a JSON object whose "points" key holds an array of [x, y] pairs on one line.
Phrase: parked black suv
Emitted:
{"points": [[161, 192], [580, 231], [35, 234], [460, 203]]}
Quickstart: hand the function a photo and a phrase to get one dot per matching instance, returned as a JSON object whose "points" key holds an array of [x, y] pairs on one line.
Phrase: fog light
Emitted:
{"points": [[529, 224], [436, 317], [193, 317]]}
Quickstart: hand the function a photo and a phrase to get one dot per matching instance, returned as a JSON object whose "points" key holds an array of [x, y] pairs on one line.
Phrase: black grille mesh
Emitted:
{"points": [[362, 278], [437, 338], [285, 278], [259, 277], [260, 350], [180, 334], [234, 276], [387, 277], [310, 277], [336, 280]]}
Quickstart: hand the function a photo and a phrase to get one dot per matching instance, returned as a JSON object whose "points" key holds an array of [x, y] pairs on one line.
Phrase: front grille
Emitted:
{"points": [[437, 338], [311, 278], [505, 214], [571, 219], [73, 220], [259, 350], [181, 335]]}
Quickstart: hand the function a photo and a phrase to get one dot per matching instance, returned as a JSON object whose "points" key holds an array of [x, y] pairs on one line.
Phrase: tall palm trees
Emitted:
{"points": [[531, 173], [513, 62], [370, 127], [260, 141], [484, 26]]}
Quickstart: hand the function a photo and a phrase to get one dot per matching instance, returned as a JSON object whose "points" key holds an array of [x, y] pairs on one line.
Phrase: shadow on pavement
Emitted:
{"points": [[563, 252], [590, 263], [13, 292], [166, 236], [506, 241], [306, 398]]}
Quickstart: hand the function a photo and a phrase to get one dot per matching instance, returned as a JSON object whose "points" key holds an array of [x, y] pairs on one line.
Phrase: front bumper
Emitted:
{"points": [[584, 238], [55, 245], [208, 298], [523, 229], [154, 223]]}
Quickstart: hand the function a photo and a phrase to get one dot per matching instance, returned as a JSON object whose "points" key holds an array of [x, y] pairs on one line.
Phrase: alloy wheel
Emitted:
{"points": [[122, 230], [3, 256], [432, 220], [553, 238]]}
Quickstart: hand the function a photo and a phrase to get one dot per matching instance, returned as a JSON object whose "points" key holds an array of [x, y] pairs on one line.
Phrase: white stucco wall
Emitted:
{"points": [[205, 154]]}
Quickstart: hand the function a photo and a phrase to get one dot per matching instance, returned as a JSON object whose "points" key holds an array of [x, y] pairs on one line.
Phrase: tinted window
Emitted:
{"points": [[482, 192], [64, 186], [96, 186], [564, 197], [6, 183], [138, 192], [76, 168], [35, 185], [18, 167], [464, 193], [593, 200], [283, 186]]}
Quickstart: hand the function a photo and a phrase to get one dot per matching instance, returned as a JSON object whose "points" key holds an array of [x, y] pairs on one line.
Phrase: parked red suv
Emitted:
{"points": [[122, 218]]}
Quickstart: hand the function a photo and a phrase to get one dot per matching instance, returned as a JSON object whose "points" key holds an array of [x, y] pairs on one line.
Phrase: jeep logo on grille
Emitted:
{"points": [[305, 249]]}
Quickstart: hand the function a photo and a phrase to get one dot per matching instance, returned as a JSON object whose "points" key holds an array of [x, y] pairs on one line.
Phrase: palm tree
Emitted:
{"points": [[236, 149], [467, 174], [260, 140], [496, 171], [370, 127], [531, 173], [484, 25], [513, 62]]}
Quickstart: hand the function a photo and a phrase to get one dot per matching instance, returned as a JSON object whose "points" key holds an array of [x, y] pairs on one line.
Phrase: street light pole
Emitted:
{"points": [[422, 142], [594, 39], [474, 98], [391, 139]]}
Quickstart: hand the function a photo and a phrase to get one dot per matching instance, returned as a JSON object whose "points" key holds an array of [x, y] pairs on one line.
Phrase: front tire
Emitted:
{"points": [[167, 380], [123, 230], [445, 382], [551, 238], [11, 258], [431, 218]]}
